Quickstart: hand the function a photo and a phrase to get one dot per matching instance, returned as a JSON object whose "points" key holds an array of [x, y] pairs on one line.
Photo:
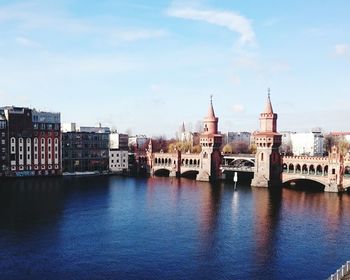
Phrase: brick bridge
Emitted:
{"points": [[177, 164], [333, 170]]}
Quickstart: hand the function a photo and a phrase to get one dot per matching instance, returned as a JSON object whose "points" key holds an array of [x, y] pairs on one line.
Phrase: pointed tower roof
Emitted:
{"points": [[211, 114], [268, 107], [183, 130]]}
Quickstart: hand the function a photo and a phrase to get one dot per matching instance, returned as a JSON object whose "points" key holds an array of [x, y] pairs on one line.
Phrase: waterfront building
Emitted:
{"points": [[118, 152], [309, 143], [85, 149], [33, 142], [3, 144]]}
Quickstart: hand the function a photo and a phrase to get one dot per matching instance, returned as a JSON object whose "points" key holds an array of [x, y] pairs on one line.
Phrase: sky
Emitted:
{"points": [[145, 67]]}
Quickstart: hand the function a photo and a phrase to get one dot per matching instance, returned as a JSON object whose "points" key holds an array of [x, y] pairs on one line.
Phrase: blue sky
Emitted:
{"points": [[148, 66]]}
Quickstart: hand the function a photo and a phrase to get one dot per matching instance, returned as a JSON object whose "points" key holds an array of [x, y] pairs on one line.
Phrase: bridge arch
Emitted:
{"points": [[319, 170], [347, 171], [289, 180], [304, 169], [191, 174], [162, 172], [312, 169], [291, 168]]}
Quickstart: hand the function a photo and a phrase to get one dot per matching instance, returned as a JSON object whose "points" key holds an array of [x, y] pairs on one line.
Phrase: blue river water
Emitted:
{"points": [[164, 228]]}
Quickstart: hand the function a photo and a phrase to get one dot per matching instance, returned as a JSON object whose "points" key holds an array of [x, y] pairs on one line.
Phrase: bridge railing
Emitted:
{"points": [[341, 272]]}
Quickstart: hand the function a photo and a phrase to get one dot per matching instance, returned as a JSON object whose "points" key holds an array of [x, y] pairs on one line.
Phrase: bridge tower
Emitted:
{"points": [[335, 171], [210, 141], [268, 167]]}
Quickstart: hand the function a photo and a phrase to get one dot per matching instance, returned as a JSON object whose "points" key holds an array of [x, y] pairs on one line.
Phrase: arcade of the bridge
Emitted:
{"points": [[185, 162], [308, 169]]}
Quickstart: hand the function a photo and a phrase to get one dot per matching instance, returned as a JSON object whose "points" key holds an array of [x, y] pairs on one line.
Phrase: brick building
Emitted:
{"points": [[33, 142]]}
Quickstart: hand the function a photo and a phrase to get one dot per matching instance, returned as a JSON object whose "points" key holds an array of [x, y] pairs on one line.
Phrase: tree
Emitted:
{"points": [[240, 147], [196, 149], [252, 149], [343, 146], [227, 149]]}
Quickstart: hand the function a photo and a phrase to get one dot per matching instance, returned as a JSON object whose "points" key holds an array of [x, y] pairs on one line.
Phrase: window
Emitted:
{"points": [[13, 140]]}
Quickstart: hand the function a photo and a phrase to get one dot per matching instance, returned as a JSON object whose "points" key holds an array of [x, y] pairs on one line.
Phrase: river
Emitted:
{"points": [[167, 228]]}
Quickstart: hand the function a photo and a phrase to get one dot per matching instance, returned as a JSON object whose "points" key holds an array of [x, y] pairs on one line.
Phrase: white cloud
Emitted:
{"points": [[26, 42], [138, 34], [156, 88], [238, 108], [228, 19], [342, 49]]}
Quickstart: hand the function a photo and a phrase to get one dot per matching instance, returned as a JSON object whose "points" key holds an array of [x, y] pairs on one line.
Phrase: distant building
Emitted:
{"points": [[235, 137], [34, 142], [310, 143], [345, 135], [138, 141], [286, 147], [118, 152], [85, 149]]}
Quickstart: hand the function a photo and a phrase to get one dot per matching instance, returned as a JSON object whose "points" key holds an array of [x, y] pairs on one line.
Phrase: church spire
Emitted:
{"points": [[183, 130], [268, 107]]}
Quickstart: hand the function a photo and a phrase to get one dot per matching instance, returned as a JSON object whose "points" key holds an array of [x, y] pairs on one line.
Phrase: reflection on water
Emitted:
{"points": [[167, 228]]}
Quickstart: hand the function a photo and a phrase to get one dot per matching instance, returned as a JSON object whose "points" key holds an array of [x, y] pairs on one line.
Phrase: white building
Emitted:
{"points": [[118, 152], [118, 161], [138, 141], [286, 146], [310, 143], [72, 127]]}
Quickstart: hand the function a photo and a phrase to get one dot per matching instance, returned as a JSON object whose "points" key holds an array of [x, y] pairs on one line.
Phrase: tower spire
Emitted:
{"points": [[268, 107], [211, 114]]}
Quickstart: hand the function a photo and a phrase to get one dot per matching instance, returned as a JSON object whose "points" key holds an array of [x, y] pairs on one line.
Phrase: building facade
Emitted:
{"points": [[85, 150], [309, 143], [33, 142], [118, 152], [3, 144]]}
